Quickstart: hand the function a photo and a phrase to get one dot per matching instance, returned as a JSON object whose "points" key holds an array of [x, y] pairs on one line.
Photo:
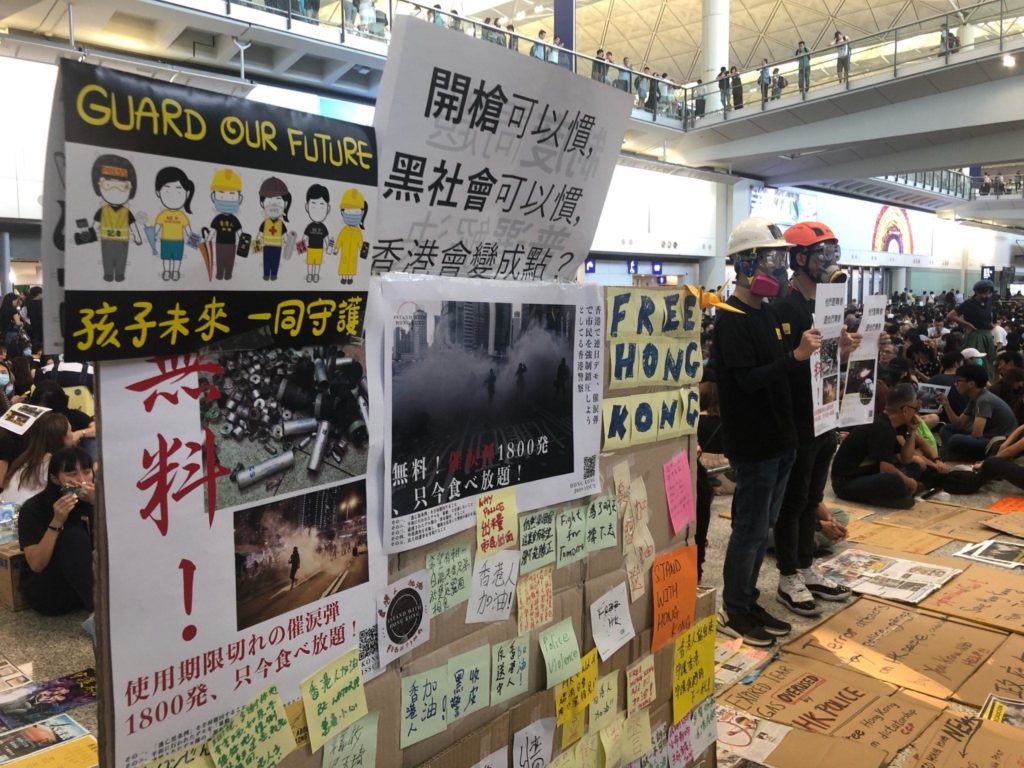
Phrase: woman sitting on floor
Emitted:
{"points": [[27, 474], [55, 532]]}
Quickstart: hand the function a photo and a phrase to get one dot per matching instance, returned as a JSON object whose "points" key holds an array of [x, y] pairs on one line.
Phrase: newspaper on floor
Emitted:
{"points": [[1006, 554], [746, 736], [1009, 711], [733, 660], [892, 578]]}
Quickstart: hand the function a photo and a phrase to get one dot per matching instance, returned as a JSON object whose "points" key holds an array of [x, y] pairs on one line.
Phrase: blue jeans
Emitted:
{"points": [[760, 487], [960, 445]]}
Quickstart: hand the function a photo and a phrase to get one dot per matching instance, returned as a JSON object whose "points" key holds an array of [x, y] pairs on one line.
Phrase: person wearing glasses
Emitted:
{"points": [[752, 364], [872, 466], [985, 422]]}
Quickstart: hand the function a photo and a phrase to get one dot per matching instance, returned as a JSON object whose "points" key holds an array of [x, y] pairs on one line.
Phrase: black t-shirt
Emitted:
{"points": [[37, 513], [316, 233], [796, 315], [226, 227], [709, 434], [862, 450], [956, 401], [752, 370], [977, 313]]}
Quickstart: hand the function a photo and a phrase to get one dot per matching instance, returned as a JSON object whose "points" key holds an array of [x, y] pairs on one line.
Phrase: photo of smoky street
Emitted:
{"points": [[295, 551]]}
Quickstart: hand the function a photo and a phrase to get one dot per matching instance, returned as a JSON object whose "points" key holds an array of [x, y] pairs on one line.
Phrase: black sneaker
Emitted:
{"points": [[823, 587], [772, 626], [794, 595], [745, 627]]}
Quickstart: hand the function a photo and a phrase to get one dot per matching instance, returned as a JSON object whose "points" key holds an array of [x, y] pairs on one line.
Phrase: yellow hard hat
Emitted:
{"points": [[351, 199], [226, 180]]}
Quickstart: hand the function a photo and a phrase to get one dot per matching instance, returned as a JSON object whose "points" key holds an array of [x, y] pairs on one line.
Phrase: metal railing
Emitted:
{"points": [[943, 182]]}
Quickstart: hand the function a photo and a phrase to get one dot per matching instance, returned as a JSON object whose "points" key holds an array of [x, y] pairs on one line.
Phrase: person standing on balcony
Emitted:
{"points": [[538, 49], [598, 68], [698, 95], [764, 80], [622, 81], [737, 89], [513, 41], [723, 87], [842, 44], [804, 55]]}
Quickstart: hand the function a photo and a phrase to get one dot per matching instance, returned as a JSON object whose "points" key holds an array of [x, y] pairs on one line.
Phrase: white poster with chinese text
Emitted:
{"points": [[493, 164], [485, 386], [829, 303], [235, 563], [858, 399]]}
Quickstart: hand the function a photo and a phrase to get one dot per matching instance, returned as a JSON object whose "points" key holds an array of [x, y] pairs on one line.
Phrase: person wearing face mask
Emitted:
{"points": [[226, 194], [813, 257], [752, 367]]}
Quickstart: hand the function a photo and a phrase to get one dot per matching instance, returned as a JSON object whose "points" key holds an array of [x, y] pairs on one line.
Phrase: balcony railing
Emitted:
{"points": [[943, 182]]}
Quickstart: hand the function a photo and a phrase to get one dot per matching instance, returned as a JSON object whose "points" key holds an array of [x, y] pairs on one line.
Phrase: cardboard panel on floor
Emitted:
{"points": [[1011, 523], [797, 745], [991, 596], [923, 651], [958, 740], [827, 699], [1001, 674], [945, 520], [902, 539]]}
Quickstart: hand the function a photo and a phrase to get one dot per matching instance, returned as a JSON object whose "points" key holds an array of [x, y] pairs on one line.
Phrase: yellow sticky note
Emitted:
{"points": [[258, 732], [605, 703], [561, 652], [536, 599], [611, 743], [578, 691], [497, 521], [620, 477], [354, 747], [638, 498], [616, 423], [691, 409], [574, 728], [333, 698], [83, 752], [636, 736], [693, 668], [588, 751], [635, 575], [643, 418], [671, 416], [640, 685], [296, 712], [567, 759]]}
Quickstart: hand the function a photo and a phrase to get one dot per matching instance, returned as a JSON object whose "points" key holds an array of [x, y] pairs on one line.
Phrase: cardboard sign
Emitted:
{"points": [[900, 539], [1007, 504], [957, 739], [1001, 674], [984, 595], [945, 520], [901, 645], [674, 586], [1011, 523]]}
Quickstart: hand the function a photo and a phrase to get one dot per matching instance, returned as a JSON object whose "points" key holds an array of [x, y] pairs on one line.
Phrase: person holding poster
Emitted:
{"points": [[814, 259], [752, 367]]}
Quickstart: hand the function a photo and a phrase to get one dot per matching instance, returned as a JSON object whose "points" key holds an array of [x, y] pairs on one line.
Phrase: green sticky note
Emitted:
{"points": [[536, 540], [469, 680], [354, 747], [561, 652], [424, 705], [510, 668], [571, 533], [451, 573], [602, 523]]}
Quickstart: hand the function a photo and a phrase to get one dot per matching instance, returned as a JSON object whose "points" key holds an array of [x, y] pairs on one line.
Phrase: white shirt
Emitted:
{"points": [[999, 335], [28, 487]]}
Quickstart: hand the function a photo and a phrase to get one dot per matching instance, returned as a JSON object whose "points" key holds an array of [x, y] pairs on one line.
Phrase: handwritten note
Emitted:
{"points": [[423, 712], [510, 669], [573, 729], [469, 679], [636, 736], [638, 498], [354, 747], [679, 492], [196, 756], [258, 733], [561, 652], [402, 616], [693, 667], [497, 523], [602, 524], [333, 698], [573, 696], [536, 540], [611, 742], [605, 703], [497, 759], [536, 600], [531, 746], [451, 571], [568, 758], [588, 751], [571, 527], [640, 690], [674, 585], [621, 481], [493, 588], [611, 622], [688, 738]]}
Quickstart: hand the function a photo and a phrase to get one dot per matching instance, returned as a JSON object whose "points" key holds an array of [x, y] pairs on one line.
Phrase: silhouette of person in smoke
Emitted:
{"points": [[294, 560]]}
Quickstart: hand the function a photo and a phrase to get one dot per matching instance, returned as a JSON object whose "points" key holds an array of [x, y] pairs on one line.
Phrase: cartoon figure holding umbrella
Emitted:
{"points": [[174, 190]]}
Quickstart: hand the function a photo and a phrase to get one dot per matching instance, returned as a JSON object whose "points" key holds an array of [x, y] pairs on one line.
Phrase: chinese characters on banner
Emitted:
{"points": [[492, 164], [858, 397], [482, 396], [173, 217], [829, 313]]}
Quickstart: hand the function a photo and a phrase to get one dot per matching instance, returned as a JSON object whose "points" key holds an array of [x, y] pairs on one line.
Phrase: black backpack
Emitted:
{"points": [[783, 82]]}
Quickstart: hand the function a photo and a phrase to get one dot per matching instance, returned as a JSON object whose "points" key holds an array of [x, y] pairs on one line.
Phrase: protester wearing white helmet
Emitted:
{"points": [[752, 369]]}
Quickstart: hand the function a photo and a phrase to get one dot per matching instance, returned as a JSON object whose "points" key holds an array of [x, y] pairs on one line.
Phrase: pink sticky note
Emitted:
{"points": [[679, 492]]}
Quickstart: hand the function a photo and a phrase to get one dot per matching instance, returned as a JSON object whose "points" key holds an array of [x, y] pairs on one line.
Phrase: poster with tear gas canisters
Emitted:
{"points": [[829, 304], [861, 373], [482, 395]]}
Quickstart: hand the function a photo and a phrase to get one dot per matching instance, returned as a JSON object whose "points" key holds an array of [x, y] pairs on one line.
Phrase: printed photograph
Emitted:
{"points": [[928, 395], [38, 736], [829, 357], [38, 701], [481, 392], [287, 420], [860, 380], [828, 389], [295, 551]]}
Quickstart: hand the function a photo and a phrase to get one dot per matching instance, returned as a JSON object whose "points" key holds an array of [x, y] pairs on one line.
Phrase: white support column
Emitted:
{"points": [[715, 40]]}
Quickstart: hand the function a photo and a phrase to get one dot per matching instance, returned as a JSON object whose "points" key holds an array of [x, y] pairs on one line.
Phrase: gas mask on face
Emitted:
{"points": [[765, 271], [827, 257]]}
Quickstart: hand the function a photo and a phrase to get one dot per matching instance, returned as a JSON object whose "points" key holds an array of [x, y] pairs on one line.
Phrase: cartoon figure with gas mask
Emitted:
{"points": [[349, 243], [226, 195]]}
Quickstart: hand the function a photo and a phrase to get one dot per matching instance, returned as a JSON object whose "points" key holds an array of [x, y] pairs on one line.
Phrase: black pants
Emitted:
{"points": [[881, 490], [794, 530], [65, 584], [1002, 468], [705, 493]]}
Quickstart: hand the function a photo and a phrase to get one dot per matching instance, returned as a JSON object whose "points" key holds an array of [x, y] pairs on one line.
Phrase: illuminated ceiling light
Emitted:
{"points": [[1008, 60], [520, 15], [538, 9]]}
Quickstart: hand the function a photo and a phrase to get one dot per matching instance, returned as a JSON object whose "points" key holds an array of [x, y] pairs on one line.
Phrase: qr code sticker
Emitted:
{"points": [[589, 467]]}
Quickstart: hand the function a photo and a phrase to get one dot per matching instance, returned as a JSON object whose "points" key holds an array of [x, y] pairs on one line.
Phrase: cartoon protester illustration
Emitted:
{"points": [[349, 243], [318, 206], [226, 194], [275, 200], [174, 190], [115, 182]]}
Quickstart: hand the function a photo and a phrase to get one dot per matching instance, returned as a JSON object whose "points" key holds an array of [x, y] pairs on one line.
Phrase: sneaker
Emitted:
{"points": [[794, 595], [745, 627], [771, 625], [993, 445], [822, 586]]}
